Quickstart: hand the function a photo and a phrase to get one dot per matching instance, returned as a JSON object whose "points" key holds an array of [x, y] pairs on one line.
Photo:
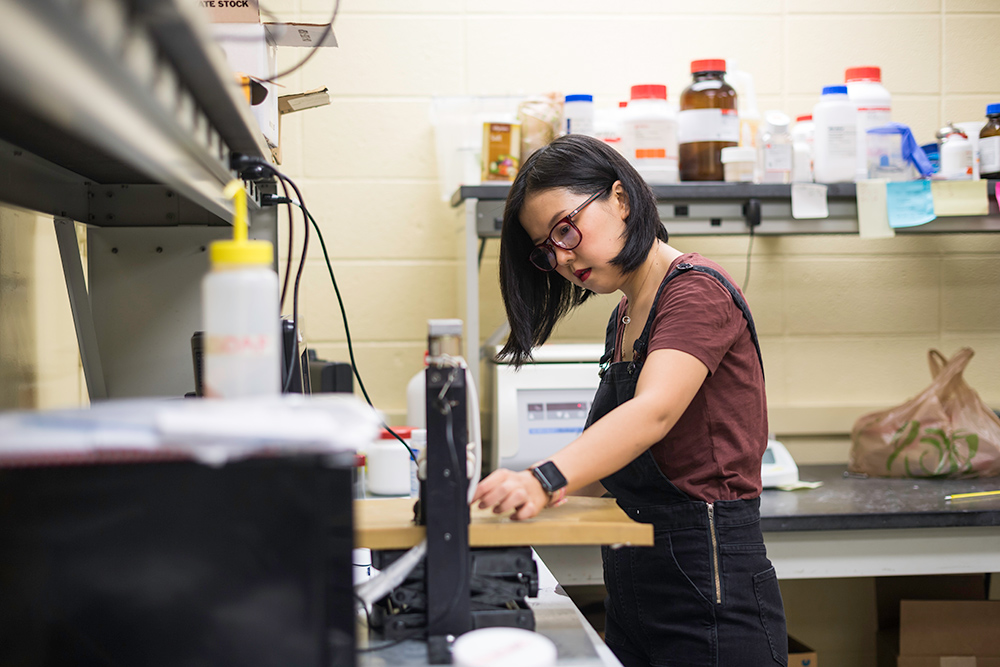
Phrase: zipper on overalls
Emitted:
{"points": [[715, 554]]}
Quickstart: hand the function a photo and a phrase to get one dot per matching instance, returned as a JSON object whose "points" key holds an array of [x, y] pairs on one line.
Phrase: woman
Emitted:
{"points": [[678, 426]]}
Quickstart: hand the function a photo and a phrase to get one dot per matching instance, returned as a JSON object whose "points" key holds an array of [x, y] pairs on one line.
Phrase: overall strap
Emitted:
{"points": [[640, 344], [610, 337]]}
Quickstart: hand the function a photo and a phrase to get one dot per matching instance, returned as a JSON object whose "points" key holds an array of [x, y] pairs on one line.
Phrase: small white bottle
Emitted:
{"points": [[802, 149], [874, 105], [578, 113], [835, 142], [649, 130], [774, 149], [240, 313], [608, 126], [956, 154]]}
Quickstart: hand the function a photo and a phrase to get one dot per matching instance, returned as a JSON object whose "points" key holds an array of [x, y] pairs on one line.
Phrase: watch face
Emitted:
{"points": [[548, 474]]}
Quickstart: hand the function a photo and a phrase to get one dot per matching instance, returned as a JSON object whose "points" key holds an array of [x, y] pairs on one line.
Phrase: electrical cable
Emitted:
{"points": [[482, 248], [312, 51], [291, 236], [746, 277], [347, 328]]}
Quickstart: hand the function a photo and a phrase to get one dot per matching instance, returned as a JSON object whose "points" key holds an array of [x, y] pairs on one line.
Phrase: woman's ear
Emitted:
{"points": [[620, 199]]}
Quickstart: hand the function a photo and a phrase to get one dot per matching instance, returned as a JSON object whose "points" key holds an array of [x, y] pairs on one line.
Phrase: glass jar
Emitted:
{"points": [[707, 122]]}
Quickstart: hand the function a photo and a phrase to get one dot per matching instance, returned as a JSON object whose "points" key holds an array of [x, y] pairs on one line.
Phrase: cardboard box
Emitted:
{"points": [[298, 102], [800, 655], [251, 49], [890, 591], [949, 628]]}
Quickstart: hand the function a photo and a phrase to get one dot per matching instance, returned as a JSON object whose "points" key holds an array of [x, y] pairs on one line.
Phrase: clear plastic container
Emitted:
{"points": [[874, 106], [835, 143], [989, 144], [649, 131], [708, 122], [738, 163], [578, 114], [774, 149]]}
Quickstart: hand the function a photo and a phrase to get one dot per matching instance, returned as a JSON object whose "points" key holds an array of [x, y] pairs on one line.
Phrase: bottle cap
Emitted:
{"points": [[863, 74], [776, 120], [738, 154], [651, 91], [799, 119], [622, 105], [714, 65], [404, 432], [992, 109], [579, 98], [834, 90], [240, 250]]}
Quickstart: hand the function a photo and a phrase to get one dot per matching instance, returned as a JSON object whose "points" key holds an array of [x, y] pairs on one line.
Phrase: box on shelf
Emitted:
{"points": [[298, 102], [251, 49], [800, 655]]}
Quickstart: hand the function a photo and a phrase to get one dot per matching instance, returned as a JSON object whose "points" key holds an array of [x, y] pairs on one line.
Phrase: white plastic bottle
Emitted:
{"points": [[240, 313], [802, 149], [774, 149], [835, 142], [578, 113], [956, 154], [608, 126], [874, 105], [649, 130]]}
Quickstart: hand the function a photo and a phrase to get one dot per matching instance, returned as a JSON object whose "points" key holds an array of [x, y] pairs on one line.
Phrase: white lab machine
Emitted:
{"points": [[541, 408]]}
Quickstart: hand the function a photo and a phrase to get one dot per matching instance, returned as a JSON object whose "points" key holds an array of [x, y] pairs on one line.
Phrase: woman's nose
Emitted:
{"points": [[562, 255]]}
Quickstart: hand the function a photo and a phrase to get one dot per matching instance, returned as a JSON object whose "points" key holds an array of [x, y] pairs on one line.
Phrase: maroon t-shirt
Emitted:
{"points": [[714, 450]]}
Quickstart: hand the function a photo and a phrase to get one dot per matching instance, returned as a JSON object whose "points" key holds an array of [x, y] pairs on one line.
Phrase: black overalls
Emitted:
{"points": [[705, 594]]}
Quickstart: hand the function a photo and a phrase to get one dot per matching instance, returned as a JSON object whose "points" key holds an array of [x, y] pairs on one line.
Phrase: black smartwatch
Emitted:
{"points": [[549, 476]]}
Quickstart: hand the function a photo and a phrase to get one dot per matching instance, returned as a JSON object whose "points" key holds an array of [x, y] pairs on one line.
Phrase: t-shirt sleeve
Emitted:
{"points": [[697, 315]]}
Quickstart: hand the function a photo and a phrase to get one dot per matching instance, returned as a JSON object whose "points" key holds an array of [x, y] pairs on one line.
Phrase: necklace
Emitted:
{"points": [[625, 318]]}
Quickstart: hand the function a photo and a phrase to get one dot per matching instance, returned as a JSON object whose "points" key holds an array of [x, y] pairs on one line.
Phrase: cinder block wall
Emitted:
{"points": [[845, 323]]}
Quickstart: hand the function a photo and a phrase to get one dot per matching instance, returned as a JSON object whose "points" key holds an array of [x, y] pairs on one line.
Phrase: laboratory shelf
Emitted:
{"points": [[99, 97], [690, 209]]}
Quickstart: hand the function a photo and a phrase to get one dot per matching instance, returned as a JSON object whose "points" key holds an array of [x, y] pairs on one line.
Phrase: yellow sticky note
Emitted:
{"points": [[960, 198], [873, 216]]}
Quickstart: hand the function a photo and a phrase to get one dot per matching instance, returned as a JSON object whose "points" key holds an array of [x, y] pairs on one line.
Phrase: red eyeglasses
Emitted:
{"points": [[565, 235]]}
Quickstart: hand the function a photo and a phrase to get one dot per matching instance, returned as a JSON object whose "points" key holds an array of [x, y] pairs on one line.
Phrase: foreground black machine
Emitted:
{"points": [[454, 589]]}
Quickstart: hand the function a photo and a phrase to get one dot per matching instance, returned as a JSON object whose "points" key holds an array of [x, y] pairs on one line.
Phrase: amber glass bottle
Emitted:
{"points": [[707, 122], [989, 144]]}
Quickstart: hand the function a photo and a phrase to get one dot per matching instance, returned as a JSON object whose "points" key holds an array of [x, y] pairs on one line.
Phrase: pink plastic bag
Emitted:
{"points": [[944, 432]]}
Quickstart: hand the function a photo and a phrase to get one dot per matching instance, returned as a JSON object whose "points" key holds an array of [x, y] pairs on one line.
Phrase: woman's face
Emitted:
{"points": [[601, 224]]}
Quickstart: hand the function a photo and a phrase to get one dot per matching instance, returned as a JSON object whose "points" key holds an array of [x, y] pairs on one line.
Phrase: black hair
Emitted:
{"points": [[535, 300]]}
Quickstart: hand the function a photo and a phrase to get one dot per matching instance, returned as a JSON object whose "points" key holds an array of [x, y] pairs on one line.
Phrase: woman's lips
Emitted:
{"points": [[582, 275]]}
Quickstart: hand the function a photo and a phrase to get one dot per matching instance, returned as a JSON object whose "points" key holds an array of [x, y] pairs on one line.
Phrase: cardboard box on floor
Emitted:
{"points": [[949, 633], [800, 655]]}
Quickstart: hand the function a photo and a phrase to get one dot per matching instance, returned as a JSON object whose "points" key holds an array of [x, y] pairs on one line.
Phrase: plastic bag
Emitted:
{"points": [[540, 118], [944, 432]]}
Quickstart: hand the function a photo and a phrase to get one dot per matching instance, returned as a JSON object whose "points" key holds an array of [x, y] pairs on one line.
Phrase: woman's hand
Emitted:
{"points": [[506, 490]]}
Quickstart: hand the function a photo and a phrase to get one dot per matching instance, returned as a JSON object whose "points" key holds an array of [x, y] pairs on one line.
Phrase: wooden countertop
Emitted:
{"points": [[388, 524]]}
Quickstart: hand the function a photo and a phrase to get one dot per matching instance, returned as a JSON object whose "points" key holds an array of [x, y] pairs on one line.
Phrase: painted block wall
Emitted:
{"points": [[845, 323]]}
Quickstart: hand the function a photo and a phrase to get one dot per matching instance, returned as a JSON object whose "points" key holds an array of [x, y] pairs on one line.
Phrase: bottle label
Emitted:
{"points": [[708, 125], [873, 116], [777, 158], [841, 141], [654, 141], [989, 155]]}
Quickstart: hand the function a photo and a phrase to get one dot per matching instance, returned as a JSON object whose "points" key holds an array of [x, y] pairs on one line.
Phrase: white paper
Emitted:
{"points": [[873, 215], [809, 201]]}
